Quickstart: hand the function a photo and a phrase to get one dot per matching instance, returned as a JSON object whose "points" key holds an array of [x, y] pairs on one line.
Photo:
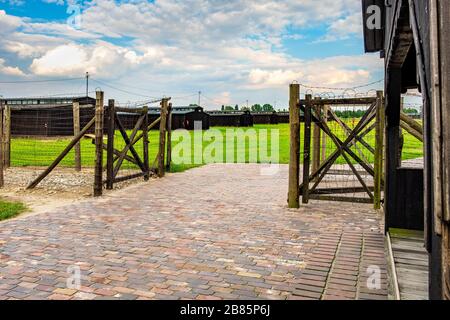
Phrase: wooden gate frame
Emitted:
{"points": [[312, 114], [115, 158]]}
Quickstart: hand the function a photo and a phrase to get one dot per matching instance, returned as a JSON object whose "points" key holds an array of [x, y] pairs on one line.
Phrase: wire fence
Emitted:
{"points": [[36, 136], [39, 136], [340, 147]]}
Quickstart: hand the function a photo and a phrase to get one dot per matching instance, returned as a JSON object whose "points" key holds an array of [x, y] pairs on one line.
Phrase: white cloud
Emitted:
{"points": [[230, 48], [101, 59], [344, 28], [8, 23], [10, 71], [334, 72]]}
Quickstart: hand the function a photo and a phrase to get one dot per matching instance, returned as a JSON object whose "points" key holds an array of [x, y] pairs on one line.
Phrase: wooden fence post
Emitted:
{"points": [[294, 163], [401, 135], [98, 178], [7, 136], [379, 147], [162, 138], [324, 136], [316, 140], [2, 183], [307, 149], [76, 131], [169, 139], [110, 145], [145, 142]]}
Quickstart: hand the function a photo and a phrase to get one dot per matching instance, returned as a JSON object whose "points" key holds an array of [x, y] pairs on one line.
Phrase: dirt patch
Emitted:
{"points": [[62, 187]]}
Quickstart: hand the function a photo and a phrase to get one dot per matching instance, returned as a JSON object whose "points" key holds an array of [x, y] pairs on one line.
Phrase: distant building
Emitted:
{"points": [[231, 119], [182, 118], [47, 117]]}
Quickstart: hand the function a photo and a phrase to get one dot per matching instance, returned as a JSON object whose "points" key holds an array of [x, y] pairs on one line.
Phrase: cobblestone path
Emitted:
{"points": [[216, 232]]}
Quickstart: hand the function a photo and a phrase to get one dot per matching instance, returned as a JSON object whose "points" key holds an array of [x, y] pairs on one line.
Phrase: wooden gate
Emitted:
{"points": [[140, 132], [349, 167]]}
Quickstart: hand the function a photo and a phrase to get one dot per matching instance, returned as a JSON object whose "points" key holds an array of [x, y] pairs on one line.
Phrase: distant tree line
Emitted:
{"points": [[230, 108], [349, 114], [264, 108], [410, 111], [254, 108]]}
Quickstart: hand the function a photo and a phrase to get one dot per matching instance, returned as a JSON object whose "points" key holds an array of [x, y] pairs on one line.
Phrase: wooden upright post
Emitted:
{"points": [[307, 149], [316, 140], [99, 109], [445, 91], [401, 135], [169, 139], [162, 138], [324, 136], [76, 131], [110, 145], [7, 136], [392, 132], [294, 162], [379, 144], [437, 136], [1, 147], [145, 142]]}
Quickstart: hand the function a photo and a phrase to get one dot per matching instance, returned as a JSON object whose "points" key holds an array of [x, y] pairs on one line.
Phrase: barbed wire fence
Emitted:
{"points": [[36, 131], [354, 167]]}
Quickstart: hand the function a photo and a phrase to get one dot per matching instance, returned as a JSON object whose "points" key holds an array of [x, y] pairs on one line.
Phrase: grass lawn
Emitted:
{"points": [[10, 209], [41, 152]]}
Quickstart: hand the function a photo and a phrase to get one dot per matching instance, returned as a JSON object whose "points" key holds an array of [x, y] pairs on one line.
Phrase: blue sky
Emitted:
{"points": [[232, 51]]}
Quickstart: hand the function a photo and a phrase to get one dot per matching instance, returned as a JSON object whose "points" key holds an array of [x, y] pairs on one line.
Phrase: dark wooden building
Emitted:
{"points": [[231, 119], [182, 118], [413, 38], [47, 117], [186, 117], [283, 117], [265, 118]]}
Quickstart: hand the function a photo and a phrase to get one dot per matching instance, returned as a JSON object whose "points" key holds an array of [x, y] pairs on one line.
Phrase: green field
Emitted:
{"points": [[10, 209], [40, 152]]}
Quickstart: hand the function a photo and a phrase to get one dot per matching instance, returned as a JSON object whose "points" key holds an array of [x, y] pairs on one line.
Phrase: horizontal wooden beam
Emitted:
{"points": [[130, 110], [342, 101], [341, 199], [329, 191], [129, 177]]}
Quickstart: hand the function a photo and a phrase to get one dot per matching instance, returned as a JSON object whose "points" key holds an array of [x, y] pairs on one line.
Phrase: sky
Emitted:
{"points": [[232, 51]]}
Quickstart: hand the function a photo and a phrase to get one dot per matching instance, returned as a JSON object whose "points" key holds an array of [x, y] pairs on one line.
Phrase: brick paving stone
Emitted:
{"points": [[337, 298], [66, 292], [84, 296], [307, 294], [57, 296], [215, 232]]}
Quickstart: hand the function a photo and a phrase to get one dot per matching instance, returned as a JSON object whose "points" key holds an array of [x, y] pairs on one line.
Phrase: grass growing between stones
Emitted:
{"points": [[10, 209]]}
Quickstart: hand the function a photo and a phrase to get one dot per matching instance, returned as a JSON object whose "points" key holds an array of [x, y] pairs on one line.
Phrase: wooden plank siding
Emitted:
{"points": [[415, 35], [411, 264]]}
